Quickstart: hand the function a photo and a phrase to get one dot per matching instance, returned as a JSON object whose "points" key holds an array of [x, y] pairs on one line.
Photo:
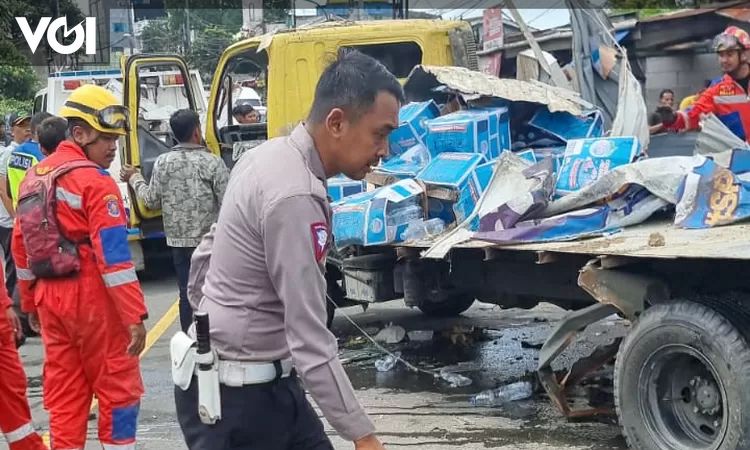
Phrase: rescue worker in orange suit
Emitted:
{"points": [[15, 416], [91, 322], [728, 97]]}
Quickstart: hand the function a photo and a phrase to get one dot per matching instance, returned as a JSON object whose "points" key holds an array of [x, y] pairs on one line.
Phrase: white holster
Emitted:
{"points": [[182, 352], [185, 364]]}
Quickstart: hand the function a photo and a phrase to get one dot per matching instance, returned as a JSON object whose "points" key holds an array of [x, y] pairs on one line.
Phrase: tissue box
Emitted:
{"points": [[586, 160], [463, 131], [499, 129], [412, 128], [556, 153], [455, 171], [341, 186], [565, 126], [528, 155], [377, 217], [484, 174], [406, 165]]}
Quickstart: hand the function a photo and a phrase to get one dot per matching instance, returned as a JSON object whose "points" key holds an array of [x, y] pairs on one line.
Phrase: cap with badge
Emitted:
{"points": [[16, 119]]}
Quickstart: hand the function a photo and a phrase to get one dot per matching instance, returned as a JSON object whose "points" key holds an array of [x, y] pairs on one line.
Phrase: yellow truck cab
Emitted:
{"points": [[284, 69]]}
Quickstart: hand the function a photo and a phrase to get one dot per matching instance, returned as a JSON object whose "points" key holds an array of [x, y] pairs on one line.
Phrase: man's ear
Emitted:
{"points": [[336, 122]]}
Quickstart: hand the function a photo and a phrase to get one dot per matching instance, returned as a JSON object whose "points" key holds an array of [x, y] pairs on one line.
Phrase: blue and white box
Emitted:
{"points": [[565, 126], [340, 187], [528, 155], [412, 126], [462, 131], [500, 139], [406, 165], [587, 160], [377, 217], [455, 171]]}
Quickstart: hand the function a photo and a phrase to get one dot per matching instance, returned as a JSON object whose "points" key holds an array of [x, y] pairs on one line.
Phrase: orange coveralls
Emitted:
{"points": [[15, 416], [85, 317]]}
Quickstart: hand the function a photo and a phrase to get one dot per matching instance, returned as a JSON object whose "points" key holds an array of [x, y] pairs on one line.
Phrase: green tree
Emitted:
{"points": [[207, 48], [159, 37], [17, 82]]}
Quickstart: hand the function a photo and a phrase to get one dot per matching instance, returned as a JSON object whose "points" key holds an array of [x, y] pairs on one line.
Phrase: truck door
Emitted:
{"points": [[153, 88]]}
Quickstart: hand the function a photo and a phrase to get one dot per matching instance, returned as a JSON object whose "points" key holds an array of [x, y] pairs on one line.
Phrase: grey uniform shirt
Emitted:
{"points": [[188, 184], [265, 289]]}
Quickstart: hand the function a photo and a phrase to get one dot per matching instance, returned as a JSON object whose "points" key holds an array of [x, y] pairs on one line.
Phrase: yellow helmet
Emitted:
{"points": [[98, 107]]}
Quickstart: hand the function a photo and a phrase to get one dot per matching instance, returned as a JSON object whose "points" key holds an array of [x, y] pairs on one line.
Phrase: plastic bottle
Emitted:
{"points": [[388, 362], [504, 394], [403, 214], [420, 229]]}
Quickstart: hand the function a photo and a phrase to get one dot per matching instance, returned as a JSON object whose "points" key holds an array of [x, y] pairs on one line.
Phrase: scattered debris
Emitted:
{"points": [[420, 335], [392, 334], [388, 362], [534, 345], [454, 379], [656, 240], [504, 394]]}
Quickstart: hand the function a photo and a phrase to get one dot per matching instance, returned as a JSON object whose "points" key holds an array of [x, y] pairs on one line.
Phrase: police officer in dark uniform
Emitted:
{"points": [[265, 289]]}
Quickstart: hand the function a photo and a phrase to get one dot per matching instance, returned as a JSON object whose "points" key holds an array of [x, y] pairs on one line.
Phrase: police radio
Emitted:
{"points": [[209, 397]]}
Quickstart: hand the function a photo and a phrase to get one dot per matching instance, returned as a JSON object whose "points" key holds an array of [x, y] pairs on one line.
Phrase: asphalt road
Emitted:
{"points": [[494, 347]]}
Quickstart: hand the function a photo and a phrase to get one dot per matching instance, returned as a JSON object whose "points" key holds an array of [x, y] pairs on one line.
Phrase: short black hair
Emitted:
{"points": [[665, 91], [241, 110], [77, 122], [183, 123], [51, 132], [352, 83], [38, 119]]}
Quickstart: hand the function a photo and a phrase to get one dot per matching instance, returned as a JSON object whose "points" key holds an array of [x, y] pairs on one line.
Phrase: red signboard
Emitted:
{"points": [[492, 34], [491, 64]]}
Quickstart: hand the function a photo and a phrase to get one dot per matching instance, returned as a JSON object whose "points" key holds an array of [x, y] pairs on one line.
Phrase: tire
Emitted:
{"points": [[682, 381], [451, 307]]}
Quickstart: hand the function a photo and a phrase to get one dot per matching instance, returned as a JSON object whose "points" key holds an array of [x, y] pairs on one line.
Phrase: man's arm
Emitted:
{"points": [[294, 237], [109, 239], [4, 184], [26, 278], [150, 193], [690, 119]]}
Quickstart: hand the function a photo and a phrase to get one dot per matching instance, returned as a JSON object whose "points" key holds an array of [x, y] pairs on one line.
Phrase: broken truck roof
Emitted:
{"points": [[473, 85]]}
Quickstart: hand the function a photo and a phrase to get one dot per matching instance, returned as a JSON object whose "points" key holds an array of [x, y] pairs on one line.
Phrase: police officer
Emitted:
{"points": [[265, 290]]}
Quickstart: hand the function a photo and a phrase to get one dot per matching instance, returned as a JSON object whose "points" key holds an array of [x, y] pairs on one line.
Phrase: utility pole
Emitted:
{"points": [[187, 27]]}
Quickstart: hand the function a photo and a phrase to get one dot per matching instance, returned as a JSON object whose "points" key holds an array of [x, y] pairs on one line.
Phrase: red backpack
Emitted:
{"points": [[50, 253]]}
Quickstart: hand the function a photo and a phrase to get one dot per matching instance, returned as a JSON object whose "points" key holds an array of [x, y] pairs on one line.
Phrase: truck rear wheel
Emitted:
{"points": [[682, 381], [450, 307]]}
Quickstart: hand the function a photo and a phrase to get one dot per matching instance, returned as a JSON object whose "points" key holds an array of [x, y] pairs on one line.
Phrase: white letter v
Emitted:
{"points": [[35, 37]]}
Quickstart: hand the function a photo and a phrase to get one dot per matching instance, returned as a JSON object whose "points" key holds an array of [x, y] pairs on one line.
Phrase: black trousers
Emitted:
{"points": [[270, 416], [181, 258]]}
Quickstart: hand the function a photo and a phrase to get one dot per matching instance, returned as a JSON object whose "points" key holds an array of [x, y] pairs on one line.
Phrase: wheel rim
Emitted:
{"points": [[682, 399]]}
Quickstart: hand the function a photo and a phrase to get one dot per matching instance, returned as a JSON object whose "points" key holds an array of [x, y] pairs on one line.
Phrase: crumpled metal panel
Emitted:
{"points": [[473, 85]]}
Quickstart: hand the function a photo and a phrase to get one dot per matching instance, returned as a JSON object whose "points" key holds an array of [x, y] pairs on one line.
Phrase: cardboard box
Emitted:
{"points": [[463, 131], [556, 153], [528, 155], [341, 186], [412, 128], [500, 139], [377, 217], [406, 165], [455, 171], [586, 160], [565, 126]]}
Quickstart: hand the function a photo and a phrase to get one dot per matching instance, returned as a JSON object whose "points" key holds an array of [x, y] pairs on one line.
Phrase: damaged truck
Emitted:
{"points": [[568, 215]]}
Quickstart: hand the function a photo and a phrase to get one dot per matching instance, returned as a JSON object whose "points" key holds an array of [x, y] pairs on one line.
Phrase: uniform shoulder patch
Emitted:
{"points": [[319, 232], [113, 206]]}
